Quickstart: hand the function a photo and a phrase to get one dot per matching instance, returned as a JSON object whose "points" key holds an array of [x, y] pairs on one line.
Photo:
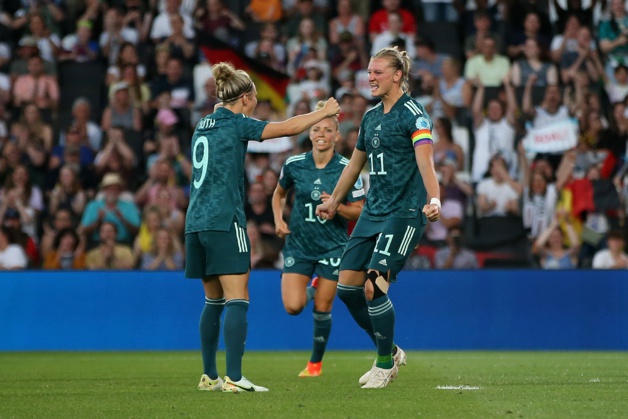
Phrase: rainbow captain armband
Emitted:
{"points": [[421, 136]]}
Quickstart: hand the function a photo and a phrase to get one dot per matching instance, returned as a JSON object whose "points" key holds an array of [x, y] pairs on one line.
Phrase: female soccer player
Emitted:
{"points": [[216, 242], [396, 139], [314, 245]]}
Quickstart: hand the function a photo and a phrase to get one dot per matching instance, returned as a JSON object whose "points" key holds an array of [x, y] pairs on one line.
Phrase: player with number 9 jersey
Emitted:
{"points": [[216, 241]]}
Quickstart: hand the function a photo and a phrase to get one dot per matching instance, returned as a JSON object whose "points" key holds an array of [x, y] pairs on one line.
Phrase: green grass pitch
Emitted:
{"points": [[432, 385]]}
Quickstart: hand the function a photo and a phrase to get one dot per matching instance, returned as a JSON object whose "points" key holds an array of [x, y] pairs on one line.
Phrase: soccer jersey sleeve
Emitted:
{"points": [[250, 129], [360, 143], [418, 123], [286, 180]]}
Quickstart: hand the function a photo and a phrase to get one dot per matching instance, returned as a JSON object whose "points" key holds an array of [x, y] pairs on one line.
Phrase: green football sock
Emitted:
{"points": [[235, 328], [209, 326], [322, 328], [354, 299], [382, 315]]}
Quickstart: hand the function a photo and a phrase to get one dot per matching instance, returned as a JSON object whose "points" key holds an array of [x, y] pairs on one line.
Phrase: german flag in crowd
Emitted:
{"points": [[271, 84]]}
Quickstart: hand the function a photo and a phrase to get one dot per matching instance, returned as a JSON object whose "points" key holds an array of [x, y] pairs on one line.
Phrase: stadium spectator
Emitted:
{"points": [[116, 156], [213, 17], [179, 87], [108, 254], [550, 111], [68, 193], [90, 133], [586, 61], [179, 46], [495, 132], [161, 28], [346, 56], [531, 30], [165, 253], [391, 34], [152, 220], [121, 111], [613, 36], [12, 220], [57, 221], [535, 62], [452, 214], [445, 149], [482, 24], [488, 67], [139, 92], [427, 59], [307, 44], [614, 257], [575, 8], [166, 146], [67, 252], [617, 89], [378, 22], [12, 256], [128, 56], [268, 48], [498, 195], [455, 187], [172, 217], [80, 47], [31, 128], [36, 87], [455, 255], [305, 10], [346, 21], [115, 34], [48, 43], [27, 48], [20, 194], [160, 176], [550, 247], [565, 46], [110, 209]]}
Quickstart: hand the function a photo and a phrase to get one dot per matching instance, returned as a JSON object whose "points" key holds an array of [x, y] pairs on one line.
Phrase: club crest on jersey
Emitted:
{"points": [[375, 142], [289, 262], [316, 195], [422, 123]]}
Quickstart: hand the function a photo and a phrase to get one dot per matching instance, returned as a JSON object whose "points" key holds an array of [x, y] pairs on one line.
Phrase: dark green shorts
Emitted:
{"points": [[211, 253], [324, 268], [382, 245]]}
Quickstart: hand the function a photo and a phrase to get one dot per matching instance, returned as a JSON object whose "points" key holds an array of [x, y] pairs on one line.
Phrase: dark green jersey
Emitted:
{"points": [[396, 187], [217, 189], [311, 237]]}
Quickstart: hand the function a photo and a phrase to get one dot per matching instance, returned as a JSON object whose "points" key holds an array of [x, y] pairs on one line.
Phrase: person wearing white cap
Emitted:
{"points": [[123, 214]]}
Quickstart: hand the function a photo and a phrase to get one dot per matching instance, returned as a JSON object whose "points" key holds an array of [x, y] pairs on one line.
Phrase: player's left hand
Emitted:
{"points": [[432, 212]]}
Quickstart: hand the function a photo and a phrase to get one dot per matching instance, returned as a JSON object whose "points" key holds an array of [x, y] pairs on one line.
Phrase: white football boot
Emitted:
{"points": [[241, 386], [207, 384], [400, 359]]}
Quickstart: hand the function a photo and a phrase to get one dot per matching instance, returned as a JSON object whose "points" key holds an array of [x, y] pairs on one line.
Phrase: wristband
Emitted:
{"points": [[435, 201]]}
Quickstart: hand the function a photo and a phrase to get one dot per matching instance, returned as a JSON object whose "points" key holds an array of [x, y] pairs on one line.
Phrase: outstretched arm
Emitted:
{"points": [[298, 124]]}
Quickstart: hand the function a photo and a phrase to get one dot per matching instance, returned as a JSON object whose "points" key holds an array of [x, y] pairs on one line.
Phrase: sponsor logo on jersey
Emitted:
{"points": [[289, 262], [383, 262], [378, 128], [335, 272], [317, 181]]}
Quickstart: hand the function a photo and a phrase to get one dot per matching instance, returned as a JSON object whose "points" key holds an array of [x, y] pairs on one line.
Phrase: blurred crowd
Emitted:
{"points": [[98, 100]]}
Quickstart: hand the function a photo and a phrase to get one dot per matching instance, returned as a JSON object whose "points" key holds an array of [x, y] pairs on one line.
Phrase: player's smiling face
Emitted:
{"points": [[381, 76], [324, 134]]}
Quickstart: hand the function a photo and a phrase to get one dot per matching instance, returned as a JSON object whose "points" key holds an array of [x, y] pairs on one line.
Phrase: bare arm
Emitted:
{"points": [[478, 106], [351, 210], [528, 107], [278, 204], [424, 155], [298, 124], [511, 102]]}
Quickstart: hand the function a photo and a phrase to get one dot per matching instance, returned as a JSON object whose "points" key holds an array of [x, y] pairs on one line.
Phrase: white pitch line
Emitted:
{"points": [[457, 388]]}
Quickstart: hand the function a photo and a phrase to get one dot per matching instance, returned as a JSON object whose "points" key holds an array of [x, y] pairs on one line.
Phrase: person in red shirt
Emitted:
{"points": [[379, 19]]}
